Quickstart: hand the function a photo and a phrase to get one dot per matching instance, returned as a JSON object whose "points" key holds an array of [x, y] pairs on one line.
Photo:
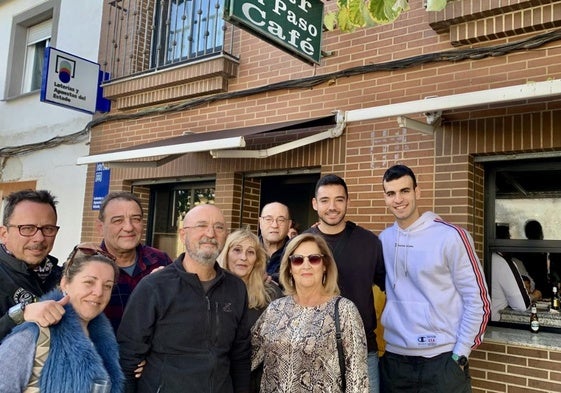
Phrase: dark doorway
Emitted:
{"points": [[296, 192]]}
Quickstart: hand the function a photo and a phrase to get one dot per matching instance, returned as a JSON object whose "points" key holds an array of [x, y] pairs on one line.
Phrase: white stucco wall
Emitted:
{"points": [[25, 119]]}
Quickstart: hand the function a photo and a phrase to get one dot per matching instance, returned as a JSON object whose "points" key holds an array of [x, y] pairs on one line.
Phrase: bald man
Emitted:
{"points": [[189, 321], [274, 223]]}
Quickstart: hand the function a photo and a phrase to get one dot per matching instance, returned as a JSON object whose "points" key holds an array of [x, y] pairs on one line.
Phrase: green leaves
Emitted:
{"points": [[436, 5], [352, 14]]}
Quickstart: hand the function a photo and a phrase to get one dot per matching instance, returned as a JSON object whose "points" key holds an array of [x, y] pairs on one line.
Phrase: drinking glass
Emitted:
{"points": [[101, 386]]}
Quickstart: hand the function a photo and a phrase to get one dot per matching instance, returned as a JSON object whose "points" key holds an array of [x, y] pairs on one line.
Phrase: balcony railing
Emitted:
{"points": [[141, 36]]}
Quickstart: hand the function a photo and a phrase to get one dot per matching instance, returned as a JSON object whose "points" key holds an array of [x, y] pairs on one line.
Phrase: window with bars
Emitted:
{"points": [[140, 36], [187, 29]]}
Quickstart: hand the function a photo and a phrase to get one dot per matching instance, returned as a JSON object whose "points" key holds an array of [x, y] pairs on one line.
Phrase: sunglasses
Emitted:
{"points": [[314, 259], [89, 250]]}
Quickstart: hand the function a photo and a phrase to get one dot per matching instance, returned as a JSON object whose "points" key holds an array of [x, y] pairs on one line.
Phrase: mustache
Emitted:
{"points": [[208, 240], [36, 247]]}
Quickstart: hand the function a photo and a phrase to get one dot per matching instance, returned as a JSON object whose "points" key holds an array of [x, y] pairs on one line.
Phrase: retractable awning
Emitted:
{"points": [[291, 135]]}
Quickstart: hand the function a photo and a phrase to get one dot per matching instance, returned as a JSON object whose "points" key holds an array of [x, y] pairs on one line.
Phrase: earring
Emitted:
{"points": [[324, 278]]}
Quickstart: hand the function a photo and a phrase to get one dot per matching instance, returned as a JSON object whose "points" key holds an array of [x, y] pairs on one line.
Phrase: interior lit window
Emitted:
{"points": [[523, 225]]}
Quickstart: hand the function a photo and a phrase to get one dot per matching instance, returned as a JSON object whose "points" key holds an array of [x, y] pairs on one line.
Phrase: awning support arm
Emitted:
{"points": [[334, 132]]}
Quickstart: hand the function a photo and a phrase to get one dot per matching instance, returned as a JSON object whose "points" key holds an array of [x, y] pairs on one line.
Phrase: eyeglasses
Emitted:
{"points": [[29, 230], [203, 227], [314, 259], [270, 219], [89, 250]]}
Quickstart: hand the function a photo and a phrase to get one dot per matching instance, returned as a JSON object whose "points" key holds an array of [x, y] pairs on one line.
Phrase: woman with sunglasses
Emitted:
{"points": [[69, 356], [244, 256], [295, 337]]}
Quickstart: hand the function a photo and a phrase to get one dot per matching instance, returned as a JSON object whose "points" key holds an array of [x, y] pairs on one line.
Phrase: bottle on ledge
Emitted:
{"points": [[555, 299], [534, 321]]}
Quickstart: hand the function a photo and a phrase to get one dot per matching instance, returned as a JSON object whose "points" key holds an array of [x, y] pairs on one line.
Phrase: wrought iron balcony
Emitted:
{"points": [[141, 36]]}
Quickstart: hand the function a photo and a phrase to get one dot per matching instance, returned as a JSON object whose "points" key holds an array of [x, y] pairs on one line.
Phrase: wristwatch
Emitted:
{"points": [[461, 360], [16, 313]]}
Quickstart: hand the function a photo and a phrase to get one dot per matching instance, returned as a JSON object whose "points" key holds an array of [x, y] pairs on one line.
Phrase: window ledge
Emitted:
{"points": [[523, 338], [470, 22], [22, 95], [207, 76]]}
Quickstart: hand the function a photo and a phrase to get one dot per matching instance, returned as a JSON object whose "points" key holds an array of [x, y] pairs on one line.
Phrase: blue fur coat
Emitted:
{"points": [[73, 363]]}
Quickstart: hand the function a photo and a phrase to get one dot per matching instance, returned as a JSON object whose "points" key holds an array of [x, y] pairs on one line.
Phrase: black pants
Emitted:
{"points": [[417, 374]]}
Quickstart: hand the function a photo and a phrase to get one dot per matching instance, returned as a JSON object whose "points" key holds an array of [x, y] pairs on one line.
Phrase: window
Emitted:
{"points": [[186, 29], [168, 206], [38, 38], [32, 31], [523, 223]]}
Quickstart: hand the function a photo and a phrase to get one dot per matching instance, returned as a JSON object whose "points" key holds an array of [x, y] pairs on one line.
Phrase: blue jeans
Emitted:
{"points": [[373, 373]]}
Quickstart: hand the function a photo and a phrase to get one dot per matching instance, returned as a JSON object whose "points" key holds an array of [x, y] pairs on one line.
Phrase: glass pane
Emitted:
{"points": [[38, 60], [520, 214], [171, 203], [193, 28], [526, 205]]}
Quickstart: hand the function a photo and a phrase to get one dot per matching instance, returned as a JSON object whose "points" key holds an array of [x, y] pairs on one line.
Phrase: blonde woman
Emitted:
{"points": [[295, 337], [244, 256]]}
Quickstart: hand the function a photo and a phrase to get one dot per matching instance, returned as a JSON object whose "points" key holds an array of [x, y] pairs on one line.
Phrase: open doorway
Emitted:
{"points": [[296, 192]]}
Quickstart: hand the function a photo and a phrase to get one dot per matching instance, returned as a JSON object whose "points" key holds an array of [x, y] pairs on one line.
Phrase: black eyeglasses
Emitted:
{"points": [[89, 250], [29, 230], [270, 219], [314, 259]]}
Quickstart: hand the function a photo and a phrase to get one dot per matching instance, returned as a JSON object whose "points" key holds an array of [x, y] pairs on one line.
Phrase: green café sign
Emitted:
{"points": [[291, 25]]}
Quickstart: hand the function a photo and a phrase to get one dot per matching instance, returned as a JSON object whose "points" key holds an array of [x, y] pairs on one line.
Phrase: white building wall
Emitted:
{"points": [[25, 120]]}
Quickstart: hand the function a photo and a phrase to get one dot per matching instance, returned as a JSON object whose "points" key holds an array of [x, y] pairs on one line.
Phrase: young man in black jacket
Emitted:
{"points": [[189, 321]]}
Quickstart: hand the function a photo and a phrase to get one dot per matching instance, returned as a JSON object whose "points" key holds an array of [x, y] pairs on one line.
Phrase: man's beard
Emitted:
{"points": [[204, 257]]}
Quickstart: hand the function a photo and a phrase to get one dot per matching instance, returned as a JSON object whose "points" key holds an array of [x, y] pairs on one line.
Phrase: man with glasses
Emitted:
{"points": [[27, 271], [189, 321], [274, 224], [121, 223]]}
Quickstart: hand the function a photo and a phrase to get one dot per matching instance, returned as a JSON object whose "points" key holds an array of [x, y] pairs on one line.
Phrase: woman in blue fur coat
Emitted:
{"points": [[82, 345]]}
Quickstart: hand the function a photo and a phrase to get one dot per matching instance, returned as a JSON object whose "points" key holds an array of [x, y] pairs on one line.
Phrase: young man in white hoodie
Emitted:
{"points": [[437, 305]]}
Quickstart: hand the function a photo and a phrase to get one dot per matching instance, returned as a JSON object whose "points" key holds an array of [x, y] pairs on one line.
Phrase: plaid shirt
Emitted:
{"points": [[147, 259]]}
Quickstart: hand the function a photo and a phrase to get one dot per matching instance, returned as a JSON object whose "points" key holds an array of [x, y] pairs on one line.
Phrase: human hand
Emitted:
{"points": [[139, 369], [47, 312], [157, 269]]}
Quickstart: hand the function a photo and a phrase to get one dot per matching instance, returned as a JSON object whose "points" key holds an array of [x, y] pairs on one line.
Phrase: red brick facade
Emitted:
{"points": [[450, 179]]}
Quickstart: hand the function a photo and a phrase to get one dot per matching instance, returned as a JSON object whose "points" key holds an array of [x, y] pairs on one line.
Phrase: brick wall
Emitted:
{"points": [[514, 369]]}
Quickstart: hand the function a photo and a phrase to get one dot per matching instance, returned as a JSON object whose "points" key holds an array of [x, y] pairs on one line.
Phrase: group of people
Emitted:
{"points": [[237, 312]]}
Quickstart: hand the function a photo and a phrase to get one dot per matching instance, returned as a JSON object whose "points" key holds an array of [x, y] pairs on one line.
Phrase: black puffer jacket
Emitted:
{"points": [[19, 284]]}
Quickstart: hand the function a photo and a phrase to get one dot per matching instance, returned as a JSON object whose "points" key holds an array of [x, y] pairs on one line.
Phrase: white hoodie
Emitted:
{"points": [[437, 298]]}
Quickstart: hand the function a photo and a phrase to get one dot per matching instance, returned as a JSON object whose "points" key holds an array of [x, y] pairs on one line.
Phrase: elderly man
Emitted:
{"points": [[121, 222], [274, 224], [27, 271], [189, 321]]}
